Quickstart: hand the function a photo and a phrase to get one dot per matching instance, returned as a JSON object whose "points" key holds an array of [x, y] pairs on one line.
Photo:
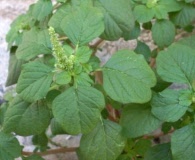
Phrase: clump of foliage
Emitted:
{"points": [[61, 85]]}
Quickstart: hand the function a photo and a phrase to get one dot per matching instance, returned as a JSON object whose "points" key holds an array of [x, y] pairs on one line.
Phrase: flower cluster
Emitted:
{"points": [[62, 60]]}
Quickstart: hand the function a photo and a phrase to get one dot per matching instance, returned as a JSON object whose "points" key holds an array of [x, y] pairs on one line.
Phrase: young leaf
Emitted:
{"points": [[25, 118], [176, 64], [171, 105], [9, 147], [34, 81], [83, 54], [34, 42], [103, 143], [163, 33], [140, 118], [170, 5], [78, 109], [183, 143], [41, 9], [62, 78], [152, 8], [143, 14], [83, 25], [159, 152], [83, 79], [118, 18], [127, 76]]}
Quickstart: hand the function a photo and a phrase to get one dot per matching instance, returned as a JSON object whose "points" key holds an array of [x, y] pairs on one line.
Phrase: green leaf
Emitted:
{"points": [[33, 157], [163, 33], [41, 9], [83, 79], [78, 109], [170, 5], [25, 118], [160, 85], [185, 16], [62, 78], [15, 66], [127, 76], [83, 25], [51, 95], [21, 23], [143, 14], [143, 49], [94, 62], [56, 128], [40, 140], [79, 3], [171, 105], [188, 41], [183, 143], [34, 81], [124, 157], [83, 54], [61, 13], [3, 109], [142, 146], [140, 118], [176, 64], [118, 18], [103, 143], [62, 1], [159, 152], [34, 42], [160, 12], [189, 1], [135, 32], [9, 147]]}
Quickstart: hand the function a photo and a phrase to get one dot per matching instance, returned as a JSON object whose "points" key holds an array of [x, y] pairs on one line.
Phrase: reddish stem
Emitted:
{"points": [[52, 151]]}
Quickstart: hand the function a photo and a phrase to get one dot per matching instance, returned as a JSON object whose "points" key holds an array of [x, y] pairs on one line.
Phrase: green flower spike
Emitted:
{"points": [[62, 61]]}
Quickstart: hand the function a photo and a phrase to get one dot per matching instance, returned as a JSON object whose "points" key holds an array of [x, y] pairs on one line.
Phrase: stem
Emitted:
{"points": [[62, 38], [96, 44], [56, 6], [98, 77], [158, 135], [53, 151], [113, 113], [152, 62]]}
